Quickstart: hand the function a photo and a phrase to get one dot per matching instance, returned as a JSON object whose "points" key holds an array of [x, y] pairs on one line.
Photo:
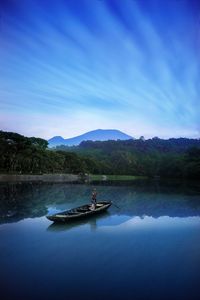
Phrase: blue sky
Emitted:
{"points": [[67, 67]]}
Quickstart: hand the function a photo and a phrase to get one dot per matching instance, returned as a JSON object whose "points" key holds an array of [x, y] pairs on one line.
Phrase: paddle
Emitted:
{"points": [[116, 205]]}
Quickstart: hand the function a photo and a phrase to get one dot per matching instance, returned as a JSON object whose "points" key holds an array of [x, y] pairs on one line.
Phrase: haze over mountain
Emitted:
{"points": [[94, 135]]}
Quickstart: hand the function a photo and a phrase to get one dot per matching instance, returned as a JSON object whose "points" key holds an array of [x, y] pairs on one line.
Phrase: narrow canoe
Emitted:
{"points": [[83, 211]]}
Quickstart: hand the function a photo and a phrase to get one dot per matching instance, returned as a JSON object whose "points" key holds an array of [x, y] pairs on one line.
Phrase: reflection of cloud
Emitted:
{"points": [[125, 65], [149, 223]]}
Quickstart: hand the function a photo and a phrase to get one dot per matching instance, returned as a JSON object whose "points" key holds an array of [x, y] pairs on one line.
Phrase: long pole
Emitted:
{"points": [[116, 205]]}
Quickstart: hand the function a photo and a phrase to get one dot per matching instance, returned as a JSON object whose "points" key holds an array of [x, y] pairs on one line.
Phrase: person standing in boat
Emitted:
{"points": [[94, 199]]}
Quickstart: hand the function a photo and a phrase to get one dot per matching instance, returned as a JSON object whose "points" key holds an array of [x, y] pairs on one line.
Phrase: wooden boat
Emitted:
{"points": [[83, 211]]}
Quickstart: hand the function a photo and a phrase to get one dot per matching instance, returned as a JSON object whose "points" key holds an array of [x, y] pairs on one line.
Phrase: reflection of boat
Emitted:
{"points": [[92, 222], [83, 211]]}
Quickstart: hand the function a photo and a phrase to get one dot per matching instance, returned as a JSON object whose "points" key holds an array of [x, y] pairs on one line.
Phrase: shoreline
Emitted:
{"points": [[66, 177], [42, 177], [60, 177]]}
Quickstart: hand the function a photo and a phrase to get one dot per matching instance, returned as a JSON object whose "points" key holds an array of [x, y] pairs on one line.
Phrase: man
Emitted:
{"points": [[94, 199]]}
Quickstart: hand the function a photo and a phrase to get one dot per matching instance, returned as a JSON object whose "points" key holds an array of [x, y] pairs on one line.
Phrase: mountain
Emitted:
{"points": [[94, 135], [56, 140]]}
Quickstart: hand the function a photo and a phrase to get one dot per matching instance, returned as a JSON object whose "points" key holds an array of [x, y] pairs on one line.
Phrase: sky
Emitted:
{"points": [[71, 66]]}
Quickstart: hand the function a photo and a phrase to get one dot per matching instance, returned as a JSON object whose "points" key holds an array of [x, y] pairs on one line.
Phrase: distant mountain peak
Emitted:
{"points": [[58, 137], [56, 140], [94, 135]]}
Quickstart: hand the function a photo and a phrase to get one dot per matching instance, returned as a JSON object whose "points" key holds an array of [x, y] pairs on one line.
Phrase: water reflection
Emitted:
{"points": [[147, 249], [115, 224], [140, 198], [93, 222]]}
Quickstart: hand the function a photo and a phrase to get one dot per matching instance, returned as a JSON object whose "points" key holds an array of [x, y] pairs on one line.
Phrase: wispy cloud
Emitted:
{"points": [[132, 65]]}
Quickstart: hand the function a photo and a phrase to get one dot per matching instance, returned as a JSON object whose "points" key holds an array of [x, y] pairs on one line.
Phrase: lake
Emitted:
{"points": [[146, 248]]}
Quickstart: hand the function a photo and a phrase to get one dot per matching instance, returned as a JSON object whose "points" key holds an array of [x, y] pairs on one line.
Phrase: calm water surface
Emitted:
{"points": [[148, 248]]}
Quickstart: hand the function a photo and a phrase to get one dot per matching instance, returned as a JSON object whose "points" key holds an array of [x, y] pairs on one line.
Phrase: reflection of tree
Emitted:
{"points": [[152, 198], [157, 198]]}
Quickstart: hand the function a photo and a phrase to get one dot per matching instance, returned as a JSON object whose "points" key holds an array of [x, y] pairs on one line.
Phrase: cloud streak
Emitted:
{"points": [[130, 65]]}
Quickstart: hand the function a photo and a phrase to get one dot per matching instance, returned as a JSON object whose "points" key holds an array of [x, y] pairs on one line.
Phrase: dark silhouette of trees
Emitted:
{"points": [[178, 158], [22, 155]]}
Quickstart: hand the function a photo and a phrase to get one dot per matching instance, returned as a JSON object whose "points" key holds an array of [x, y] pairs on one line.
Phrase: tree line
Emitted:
{"points": [[177, 158], [23, 155]]}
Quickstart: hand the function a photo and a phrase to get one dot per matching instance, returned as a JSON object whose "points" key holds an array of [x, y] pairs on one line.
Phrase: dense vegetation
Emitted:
{"points": [[23, 155], [153, 157]]}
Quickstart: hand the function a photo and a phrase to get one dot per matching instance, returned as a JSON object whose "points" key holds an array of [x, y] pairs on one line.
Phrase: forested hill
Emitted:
{"points": [[23, 155], [178, 158], [153, 157], [172, 145]]}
